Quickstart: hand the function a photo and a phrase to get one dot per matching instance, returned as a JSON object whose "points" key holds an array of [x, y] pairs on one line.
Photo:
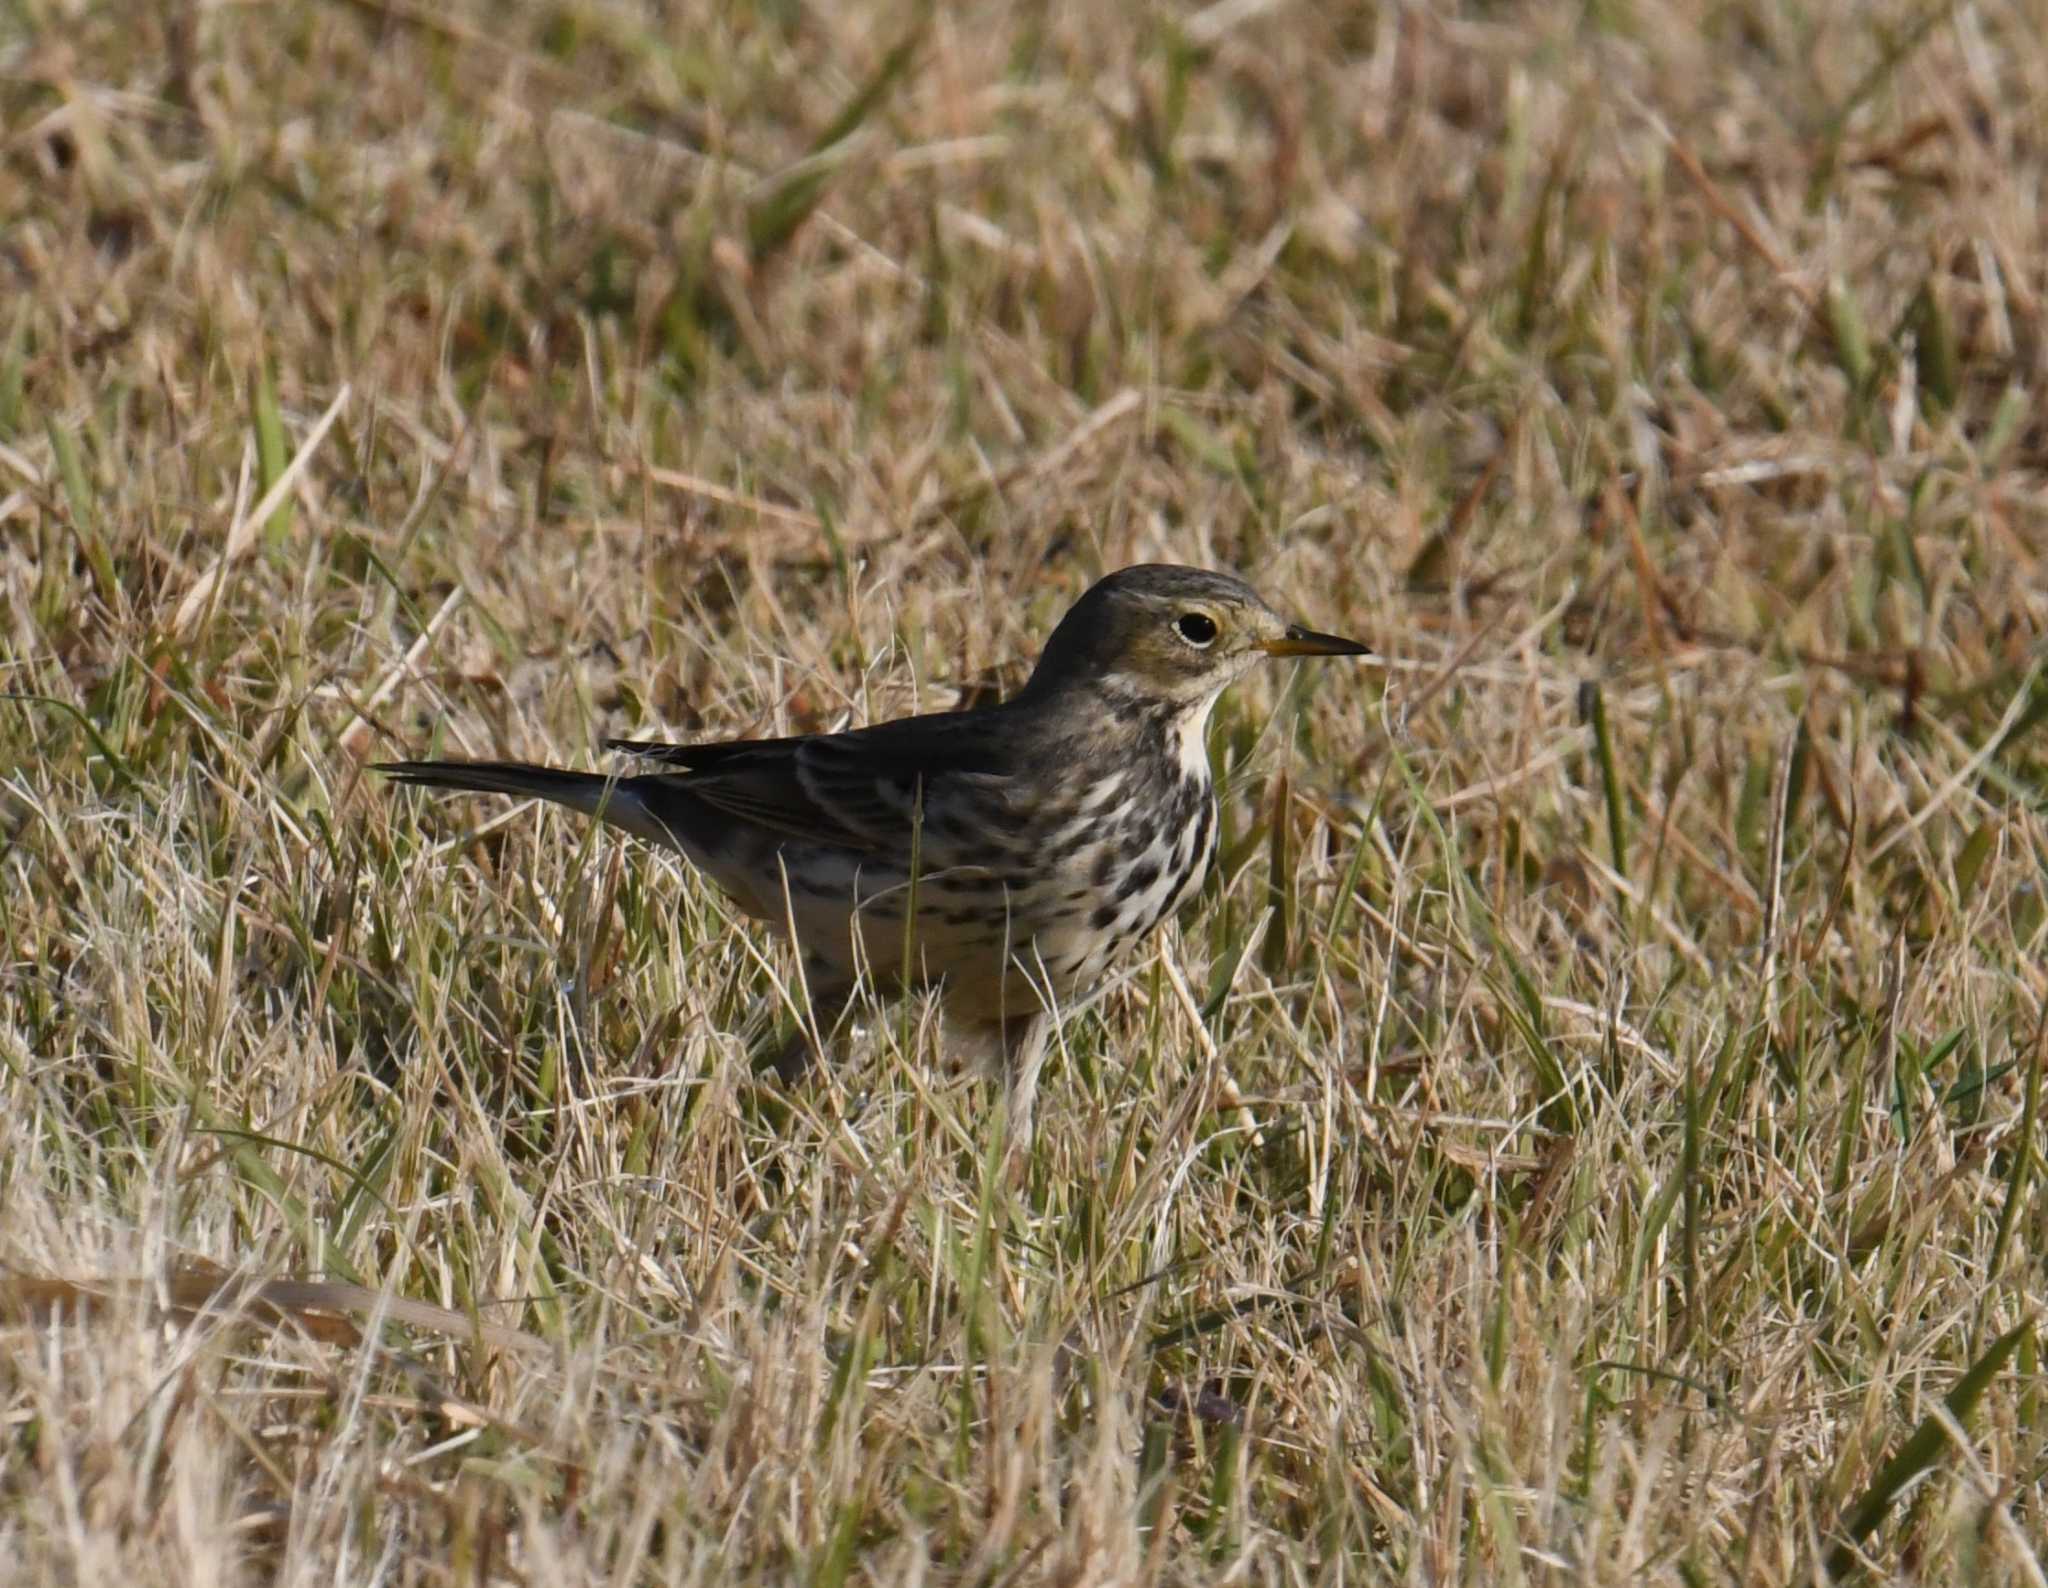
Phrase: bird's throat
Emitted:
{"points": [[1188, 735]]}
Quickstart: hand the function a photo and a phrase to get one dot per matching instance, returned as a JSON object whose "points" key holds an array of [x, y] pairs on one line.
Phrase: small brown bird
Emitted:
{"points": [[1028, 844]]}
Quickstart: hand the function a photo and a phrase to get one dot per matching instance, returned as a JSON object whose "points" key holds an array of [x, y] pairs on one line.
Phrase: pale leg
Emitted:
{"points": [[1022, 1043]]}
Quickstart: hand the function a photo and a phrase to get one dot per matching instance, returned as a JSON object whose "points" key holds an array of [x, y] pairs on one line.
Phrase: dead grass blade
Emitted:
{"points": [[242, 533]]}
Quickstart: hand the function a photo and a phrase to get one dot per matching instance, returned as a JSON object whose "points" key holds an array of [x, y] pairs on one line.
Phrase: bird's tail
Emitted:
{"points": [[612, 799]]}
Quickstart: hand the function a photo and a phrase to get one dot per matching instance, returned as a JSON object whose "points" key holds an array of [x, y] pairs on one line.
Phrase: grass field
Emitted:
{"points": [[1589, 1129]]}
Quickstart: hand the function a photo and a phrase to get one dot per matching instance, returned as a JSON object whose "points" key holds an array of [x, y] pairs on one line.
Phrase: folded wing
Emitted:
{"points": [[866, 790]]}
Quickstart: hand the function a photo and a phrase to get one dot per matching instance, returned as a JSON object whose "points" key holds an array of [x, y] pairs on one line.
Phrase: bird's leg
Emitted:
{"points": [[830, 1000], [1021, 1040]]}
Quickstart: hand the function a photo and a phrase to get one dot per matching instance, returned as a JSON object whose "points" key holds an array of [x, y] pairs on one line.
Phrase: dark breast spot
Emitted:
{"points": [[1103, 918], [1138, 879], [1138, 825], [1169, 902], [1072, 844]]}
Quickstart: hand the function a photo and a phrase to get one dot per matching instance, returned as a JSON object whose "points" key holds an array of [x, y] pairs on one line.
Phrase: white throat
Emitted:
{"points": [[1191, 741]]}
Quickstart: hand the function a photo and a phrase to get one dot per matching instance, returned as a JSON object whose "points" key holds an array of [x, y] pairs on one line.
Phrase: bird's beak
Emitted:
{"points": [[1298, 641]]}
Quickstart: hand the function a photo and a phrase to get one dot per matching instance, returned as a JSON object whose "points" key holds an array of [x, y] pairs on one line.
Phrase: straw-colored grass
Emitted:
{"points": [[1585, 1134]]}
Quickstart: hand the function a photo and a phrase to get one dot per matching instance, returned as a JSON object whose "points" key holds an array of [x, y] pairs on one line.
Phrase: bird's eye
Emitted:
{"points": [[1197, 628]]}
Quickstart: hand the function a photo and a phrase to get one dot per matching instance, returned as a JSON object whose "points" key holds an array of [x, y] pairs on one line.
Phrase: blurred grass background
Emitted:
{"points": [[1607, 1150]]}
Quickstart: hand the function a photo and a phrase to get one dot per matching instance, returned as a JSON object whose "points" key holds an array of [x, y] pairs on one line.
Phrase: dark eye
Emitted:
{"points": [[1197, 628]]}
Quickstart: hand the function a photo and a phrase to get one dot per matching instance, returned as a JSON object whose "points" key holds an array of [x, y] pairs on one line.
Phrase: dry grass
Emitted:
{"points": [[1633, 988]]}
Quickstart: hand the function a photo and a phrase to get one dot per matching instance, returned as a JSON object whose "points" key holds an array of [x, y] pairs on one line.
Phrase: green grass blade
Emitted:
{"points": [[791, 197], [85, 519], [1922, 1449], [13, 362], [273, 454], [1610, 777]]}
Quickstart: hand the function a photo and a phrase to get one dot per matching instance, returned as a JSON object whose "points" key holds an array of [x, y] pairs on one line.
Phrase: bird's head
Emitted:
{"points": [[1171, 635]]}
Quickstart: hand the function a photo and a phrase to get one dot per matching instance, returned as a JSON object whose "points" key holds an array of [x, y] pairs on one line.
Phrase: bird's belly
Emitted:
{"points": [[1000, 938]]}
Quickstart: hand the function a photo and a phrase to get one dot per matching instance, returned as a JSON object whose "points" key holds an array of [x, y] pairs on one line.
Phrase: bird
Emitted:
{"points": [[1005, 856]]}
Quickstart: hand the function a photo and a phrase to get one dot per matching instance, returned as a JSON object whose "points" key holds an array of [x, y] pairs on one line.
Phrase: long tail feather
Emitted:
{"points": [[615, 800]]}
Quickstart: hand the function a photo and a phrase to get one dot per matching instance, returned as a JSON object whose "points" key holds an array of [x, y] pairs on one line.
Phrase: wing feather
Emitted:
{"points": [[859, 790]]}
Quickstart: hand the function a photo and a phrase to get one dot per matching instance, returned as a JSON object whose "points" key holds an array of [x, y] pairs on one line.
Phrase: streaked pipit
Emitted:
{"points": [[1005, 856]]}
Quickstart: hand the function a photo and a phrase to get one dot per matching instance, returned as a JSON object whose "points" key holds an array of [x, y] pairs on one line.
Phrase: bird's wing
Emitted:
{"points": [[862, 790]]}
